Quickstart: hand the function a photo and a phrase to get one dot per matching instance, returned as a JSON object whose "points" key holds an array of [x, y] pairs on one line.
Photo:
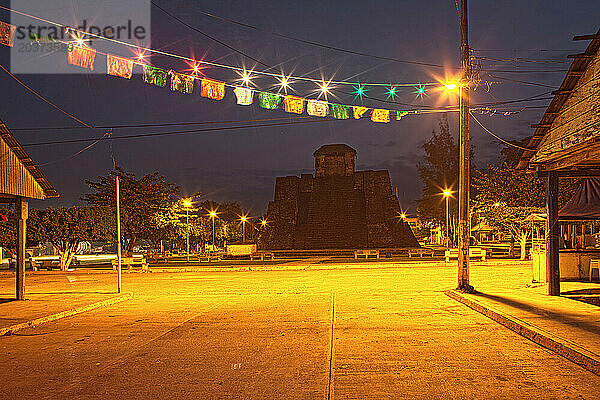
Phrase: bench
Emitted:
{"points": [[262, 255], [47, 264], [594, 265], [129, 262], [209, 257], [420, 252], [157, 258], [474, 252], [366, 253]]}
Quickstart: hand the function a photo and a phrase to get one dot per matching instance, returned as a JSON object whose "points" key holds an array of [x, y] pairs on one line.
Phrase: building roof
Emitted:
{"points": [[19, 175], [334, 149], [578, 67]]}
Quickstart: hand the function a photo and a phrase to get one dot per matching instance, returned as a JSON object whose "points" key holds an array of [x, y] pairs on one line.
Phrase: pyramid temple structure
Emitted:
{"points": [[337, 208]]}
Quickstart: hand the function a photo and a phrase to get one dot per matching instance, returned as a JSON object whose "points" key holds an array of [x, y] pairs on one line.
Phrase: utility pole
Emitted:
{"points": [[464, 153], [118, 233]]}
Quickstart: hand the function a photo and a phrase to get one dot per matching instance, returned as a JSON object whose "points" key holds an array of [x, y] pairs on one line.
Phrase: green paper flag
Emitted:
{"points": [[400, 114], [268, 100], [340, 111], [155, 76]]}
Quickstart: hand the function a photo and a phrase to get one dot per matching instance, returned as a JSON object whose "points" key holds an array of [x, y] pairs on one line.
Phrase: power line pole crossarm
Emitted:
{"points": [[464, 153]]}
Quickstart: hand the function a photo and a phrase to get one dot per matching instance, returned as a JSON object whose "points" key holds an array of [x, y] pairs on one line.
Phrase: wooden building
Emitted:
{"points": [[20, 180], [566, 142]]}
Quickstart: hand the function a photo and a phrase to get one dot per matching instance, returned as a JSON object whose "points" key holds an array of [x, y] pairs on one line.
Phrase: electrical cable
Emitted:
{"points": [[133, 126], [214, 64], [43, 98], [309, 42], [140, 135], [208, 36], [496, 136]]}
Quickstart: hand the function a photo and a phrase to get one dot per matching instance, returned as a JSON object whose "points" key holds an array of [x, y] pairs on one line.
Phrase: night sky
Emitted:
{"points": [[241, 165]]}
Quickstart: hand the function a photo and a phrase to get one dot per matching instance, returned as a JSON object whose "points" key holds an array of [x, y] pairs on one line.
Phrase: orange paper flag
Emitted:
{"points": [[293, 104]]}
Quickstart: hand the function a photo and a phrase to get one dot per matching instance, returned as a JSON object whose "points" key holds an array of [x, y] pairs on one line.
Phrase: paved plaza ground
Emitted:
{"points": [[347, 333]]}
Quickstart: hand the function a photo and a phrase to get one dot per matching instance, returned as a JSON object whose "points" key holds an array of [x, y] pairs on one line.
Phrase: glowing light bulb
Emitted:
{"points": [[391, 93], [324, 89], [420, 91], [246, 77], [187, 203], [359, 91], [284, 83], [263, 222], [451, 86]]}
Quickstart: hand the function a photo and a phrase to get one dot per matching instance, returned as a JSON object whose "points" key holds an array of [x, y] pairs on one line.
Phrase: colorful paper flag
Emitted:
{"points": [[118, 66], [340, 111], [155, 76], [379, 115], [293, 104], [212, 89], [181, 82], [400, 114], [358, 111], [244, 95], [7, 34], [81, 56], [317, 108], [269, 100]]}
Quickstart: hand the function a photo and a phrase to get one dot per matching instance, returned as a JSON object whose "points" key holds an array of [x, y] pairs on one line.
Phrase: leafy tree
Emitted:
{"points": [[66, 228], [141, 200], [505, 196], [8, 229], [438, 171], [510, 220]]}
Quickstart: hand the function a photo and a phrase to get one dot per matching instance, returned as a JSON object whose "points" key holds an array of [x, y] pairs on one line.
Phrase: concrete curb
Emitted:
{"points": [[563, 347], [49, 318]]}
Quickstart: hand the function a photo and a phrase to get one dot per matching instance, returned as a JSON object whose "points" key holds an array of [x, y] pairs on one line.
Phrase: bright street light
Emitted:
{"points": [[447, 193], [187, 203], [244, 218], [213, 214]]}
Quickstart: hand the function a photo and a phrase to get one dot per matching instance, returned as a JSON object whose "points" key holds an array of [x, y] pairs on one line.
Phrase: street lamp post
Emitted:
{"points": [[447, 194], [213, 214], [244, 218], [187, 204]]}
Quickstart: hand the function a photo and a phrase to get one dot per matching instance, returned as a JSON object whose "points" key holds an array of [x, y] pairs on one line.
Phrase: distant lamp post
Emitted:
{"points": [[244, 219], [187, 203], [212, 215], [403, 216], [263, 223], [447, 193]]}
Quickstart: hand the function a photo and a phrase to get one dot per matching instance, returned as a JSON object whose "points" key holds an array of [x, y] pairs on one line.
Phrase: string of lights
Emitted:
{"points": [[140, 53]]}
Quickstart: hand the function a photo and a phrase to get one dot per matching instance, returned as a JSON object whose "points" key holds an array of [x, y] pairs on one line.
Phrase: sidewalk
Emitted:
{"points": [[566, 326], [51, 300]]}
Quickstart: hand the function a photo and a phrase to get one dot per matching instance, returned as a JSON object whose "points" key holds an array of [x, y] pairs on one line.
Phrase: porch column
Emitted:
{"points": [[21, 209], [552, 232]]}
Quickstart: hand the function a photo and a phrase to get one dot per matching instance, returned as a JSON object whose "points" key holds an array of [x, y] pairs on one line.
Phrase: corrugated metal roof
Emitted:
{"points": [[26, 161], [578, 67]]}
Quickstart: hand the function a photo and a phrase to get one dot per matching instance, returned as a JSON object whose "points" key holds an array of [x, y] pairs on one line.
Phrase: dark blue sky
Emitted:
{"points": [[242, 165]]}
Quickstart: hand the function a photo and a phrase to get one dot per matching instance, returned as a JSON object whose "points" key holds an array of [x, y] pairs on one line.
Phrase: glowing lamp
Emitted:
{"points": [[447, 193], [187, 203], [451, 86], [212, 214]]}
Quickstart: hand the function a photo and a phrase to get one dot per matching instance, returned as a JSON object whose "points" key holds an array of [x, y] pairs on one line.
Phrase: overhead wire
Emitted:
{"points": [[313, 43], [210, 63], [494, 135]]}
